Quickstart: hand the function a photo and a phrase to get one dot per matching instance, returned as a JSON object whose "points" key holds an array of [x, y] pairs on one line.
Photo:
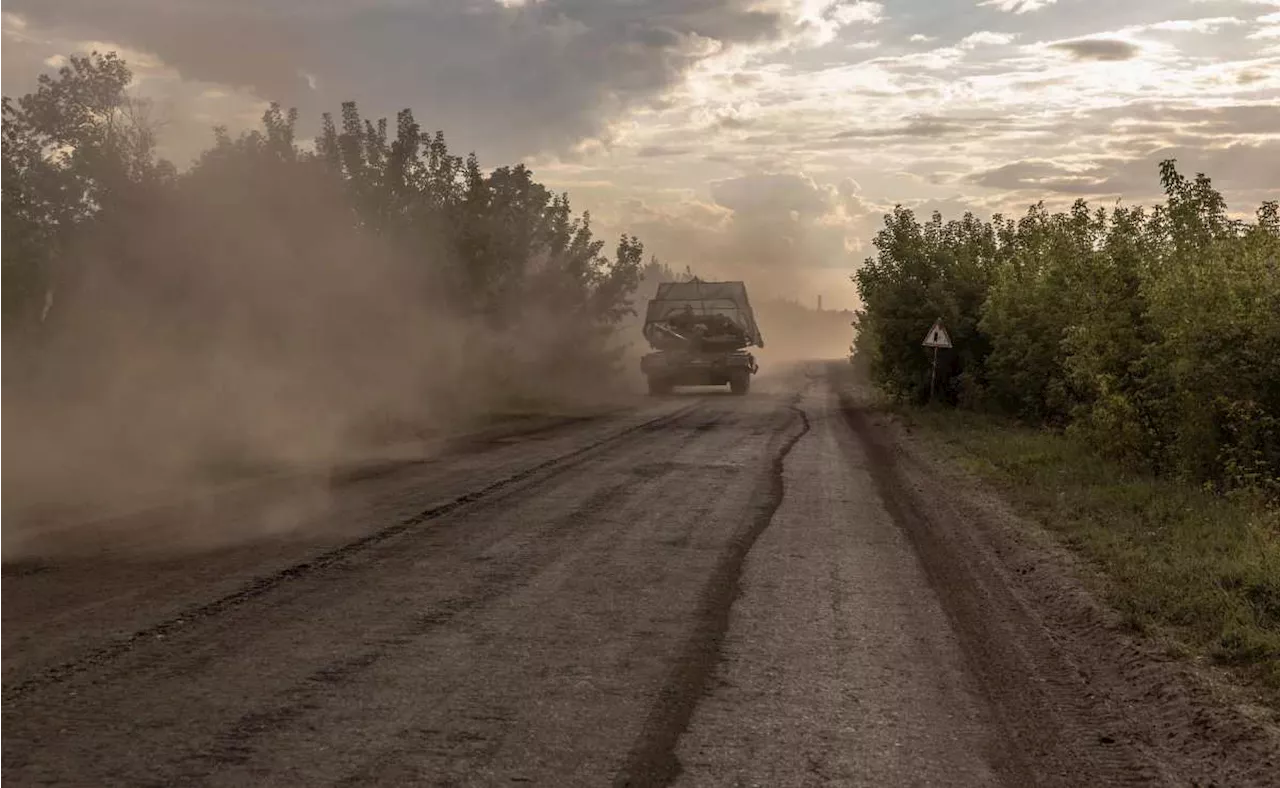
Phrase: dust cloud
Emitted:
{"points": [[244, 329], [795, 330], [231, 335], [207, 345]]}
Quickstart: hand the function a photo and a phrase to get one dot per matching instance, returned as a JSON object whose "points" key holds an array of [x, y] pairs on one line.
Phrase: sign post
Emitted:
{"points": [[936, 338]]}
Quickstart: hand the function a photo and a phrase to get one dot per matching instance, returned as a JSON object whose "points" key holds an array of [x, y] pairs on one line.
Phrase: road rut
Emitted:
{"points": [[709, 590]]}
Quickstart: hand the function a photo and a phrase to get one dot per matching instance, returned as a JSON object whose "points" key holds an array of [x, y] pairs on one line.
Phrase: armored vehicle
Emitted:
{"points": [[700, 332]]}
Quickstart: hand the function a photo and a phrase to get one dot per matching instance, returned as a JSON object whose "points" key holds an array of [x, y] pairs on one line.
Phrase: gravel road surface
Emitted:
{"points": [[701, 590]]}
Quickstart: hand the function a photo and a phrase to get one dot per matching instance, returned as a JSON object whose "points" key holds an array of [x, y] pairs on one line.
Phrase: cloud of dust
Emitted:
{"points": [[794, 330], [787, 237], [797, 332], [239, 331]]}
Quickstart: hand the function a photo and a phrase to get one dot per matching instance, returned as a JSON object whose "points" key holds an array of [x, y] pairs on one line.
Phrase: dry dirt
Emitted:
{"points": [[777, 589]]}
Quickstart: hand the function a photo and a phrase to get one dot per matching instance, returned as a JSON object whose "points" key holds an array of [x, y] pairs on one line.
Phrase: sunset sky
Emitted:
{"points": [[764, 137]]}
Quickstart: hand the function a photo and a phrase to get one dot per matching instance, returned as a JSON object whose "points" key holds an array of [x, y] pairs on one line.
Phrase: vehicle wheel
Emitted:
{"points": [[658, 387], [740, 383]]}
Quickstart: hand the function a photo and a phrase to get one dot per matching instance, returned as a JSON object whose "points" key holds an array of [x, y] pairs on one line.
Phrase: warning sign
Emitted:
{"points": [[937, 336]]}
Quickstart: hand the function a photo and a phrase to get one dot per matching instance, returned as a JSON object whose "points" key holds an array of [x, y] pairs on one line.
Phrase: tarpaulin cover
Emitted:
{"points": [[723, 298]]}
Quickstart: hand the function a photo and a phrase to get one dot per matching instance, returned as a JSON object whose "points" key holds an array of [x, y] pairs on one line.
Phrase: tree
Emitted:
{"points": [[1150, 334], [920, 274]]}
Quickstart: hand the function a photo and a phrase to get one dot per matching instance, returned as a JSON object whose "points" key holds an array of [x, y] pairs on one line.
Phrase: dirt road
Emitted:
{"points": [[706, 590]]}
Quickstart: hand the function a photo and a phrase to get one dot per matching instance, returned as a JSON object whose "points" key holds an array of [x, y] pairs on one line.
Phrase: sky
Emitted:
{"points": [[764, 139]]}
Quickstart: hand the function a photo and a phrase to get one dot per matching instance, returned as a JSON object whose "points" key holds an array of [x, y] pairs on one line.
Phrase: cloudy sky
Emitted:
{"points": [[761, 136]]}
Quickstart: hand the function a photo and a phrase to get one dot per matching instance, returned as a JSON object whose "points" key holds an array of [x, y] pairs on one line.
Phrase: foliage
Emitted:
{"points": [[1153, 334], [79, 157], [938, 269]]}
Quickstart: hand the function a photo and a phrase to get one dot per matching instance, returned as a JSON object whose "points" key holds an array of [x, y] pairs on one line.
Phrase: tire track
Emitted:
{"points": [[652, 761], [1055, 731], [106, 654], [240, 741]]}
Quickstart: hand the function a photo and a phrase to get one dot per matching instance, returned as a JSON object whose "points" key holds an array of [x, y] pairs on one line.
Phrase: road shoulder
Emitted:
{"points": [[1176, 719]]}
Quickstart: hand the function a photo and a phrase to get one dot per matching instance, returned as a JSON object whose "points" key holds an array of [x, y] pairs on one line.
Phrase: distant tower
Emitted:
{"points": [[819, 303]]}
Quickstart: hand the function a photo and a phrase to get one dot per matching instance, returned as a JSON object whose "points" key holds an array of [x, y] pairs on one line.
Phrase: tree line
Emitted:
{"points": [[1154, 334], [260, 224], [80, 162], [278, 293]]}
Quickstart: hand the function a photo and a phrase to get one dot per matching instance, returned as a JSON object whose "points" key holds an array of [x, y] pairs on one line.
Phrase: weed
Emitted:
{"points": [[1200, 568]]}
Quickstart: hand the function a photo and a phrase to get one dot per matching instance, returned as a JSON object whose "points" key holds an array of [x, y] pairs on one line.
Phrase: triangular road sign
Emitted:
{"points": [[937, 336]]}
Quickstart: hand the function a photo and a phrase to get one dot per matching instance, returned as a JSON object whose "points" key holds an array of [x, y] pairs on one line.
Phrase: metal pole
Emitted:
{"points": [[933, 373]]}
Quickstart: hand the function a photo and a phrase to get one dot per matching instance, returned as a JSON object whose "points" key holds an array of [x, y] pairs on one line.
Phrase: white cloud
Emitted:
{"points": [[1204, 25], [986, 38], [1017, 6], [1269, 27], [922, 37], [819, 22], [862, 11]]}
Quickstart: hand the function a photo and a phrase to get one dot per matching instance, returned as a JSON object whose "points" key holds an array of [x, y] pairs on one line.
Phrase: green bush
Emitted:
{"points": [[1154, 335]]}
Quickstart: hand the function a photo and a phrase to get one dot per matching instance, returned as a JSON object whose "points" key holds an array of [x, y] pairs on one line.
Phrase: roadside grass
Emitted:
{"points": [[1200, 571]]}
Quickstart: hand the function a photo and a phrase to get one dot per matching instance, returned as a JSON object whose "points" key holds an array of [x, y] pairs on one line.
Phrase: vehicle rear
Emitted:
{"points": [[666, 369], [700, 332]]}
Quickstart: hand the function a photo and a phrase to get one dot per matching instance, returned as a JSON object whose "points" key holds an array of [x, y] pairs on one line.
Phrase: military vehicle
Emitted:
{"points": [[700, 332]]}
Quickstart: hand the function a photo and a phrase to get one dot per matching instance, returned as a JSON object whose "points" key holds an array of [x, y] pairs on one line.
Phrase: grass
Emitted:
{"points": [[1181, 563]]}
